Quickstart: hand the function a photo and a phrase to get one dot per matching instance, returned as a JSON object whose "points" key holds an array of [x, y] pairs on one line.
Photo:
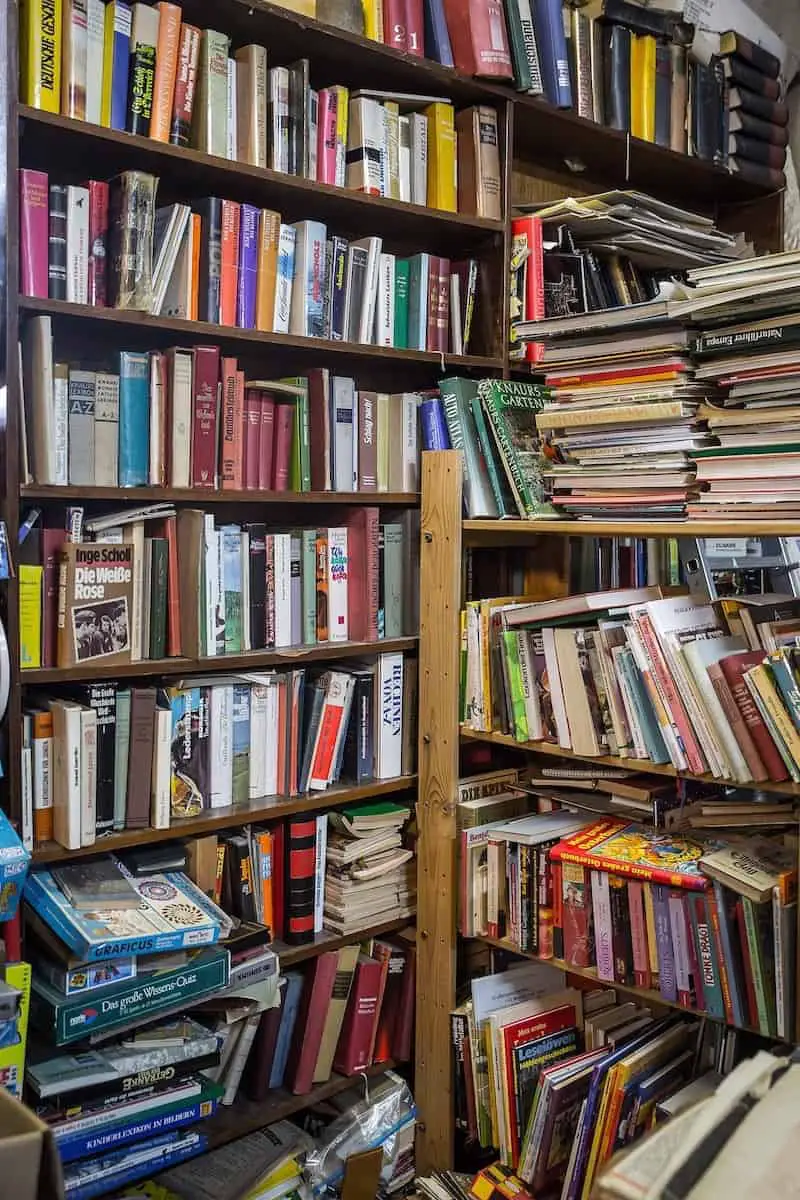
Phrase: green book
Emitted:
{"points": [[518, 713], [511, 408], [745, 451], [457, 394], [401, 273], [391, 582], [497, 476], [159, 572], [758, 926], [519, 53], [300, 461], [232, 586], [308, 568]]}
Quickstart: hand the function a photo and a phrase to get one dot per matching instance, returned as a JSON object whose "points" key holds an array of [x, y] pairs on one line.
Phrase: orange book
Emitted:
{"points": [[265, 852], [169, 32], [196, 230], [229, 270], [42, 738], [322, 586], [267, 269]]}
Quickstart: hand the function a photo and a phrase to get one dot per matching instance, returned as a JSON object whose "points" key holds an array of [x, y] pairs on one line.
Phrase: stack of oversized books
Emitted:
{"points": [[370, 876]]}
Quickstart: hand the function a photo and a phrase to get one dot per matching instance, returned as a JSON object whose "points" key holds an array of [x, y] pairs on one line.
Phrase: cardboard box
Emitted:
{"points": [[29, 1164]]}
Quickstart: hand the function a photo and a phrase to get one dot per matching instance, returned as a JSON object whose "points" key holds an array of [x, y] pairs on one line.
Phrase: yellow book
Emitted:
{"points": [[30, 615], [643, 86], [305, 8], [442, 178], [267, 269], [342, 130], [373, 19], [40, 54], [768, 700], [650, 926], [17, 977]]}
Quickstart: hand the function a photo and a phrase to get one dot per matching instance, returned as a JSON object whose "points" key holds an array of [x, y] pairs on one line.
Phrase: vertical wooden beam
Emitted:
{"points": [[440, 602]]}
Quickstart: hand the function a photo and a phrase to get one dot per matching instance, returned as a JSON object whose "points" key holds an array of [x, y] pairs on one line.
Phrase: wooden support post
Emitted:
{"points": [[440, 603]]}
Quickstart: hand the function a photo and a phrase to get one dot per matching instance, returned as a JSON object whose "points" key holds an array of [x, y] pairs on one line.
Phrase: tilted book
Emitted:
{"points": [[636, 853]]}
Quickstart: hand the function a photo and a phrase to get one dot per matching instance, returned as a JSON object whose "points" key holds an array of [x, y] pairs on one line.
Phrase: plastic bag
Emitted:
{"points": [[380, 1113]]}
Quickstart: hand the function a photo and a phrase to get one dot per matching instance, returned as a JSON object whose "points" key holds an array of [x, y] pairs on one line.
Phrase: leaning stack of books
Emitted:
{"points": [[757, 114], [370, 874]]}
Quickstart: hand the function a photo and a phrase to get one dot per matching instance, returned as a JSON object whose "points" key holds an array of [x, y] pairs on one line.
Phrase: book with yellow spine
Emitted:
{"points": [[643, 86], [442, 178], [768, 701], [30, 615], [373, 19], [40, 54], [267, 269], [342, 129]]}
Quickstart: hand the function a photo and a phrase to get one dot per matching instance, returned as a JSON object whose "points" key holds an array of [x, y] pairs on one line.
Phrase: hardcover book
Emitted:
{"points": [[635, 852]]}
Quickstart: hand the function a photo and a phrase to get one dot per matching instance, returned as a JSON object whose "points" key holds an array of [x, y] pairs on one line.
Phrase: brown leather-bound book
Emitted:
{"points": [[743, 75], [753, 54], [190, 567], [479, 177], [143, 715]]}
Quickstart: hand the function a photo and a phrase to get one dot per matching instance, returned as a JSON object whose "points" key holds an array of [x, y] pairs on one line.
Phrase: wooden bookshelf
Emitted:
{"points": [[290, 956], [498, 533], [211, 496]]}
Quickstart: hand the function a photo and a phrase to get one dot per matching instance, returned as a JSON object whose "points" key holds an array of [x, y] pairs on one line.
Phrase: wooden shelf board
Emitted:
{"points": [[148, 328], [209, 496], [267, 808], [325, 941], [222, 664], [500, 531], [627, 764], [649, 995]]}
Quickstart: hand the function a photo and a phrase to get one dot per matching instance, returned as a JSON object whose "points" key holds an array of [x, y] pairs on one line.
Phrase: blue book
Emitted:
{"points": [[291, 1005], [248, 267], [134, 419], [308, 298], [643, 705], [114, 109], [437, 36], [780, 664], [419, 266], [729, 937], [667, 980], [338, 288], [548, 20], [162, 1119], [707, 959], [433, 424], [108, 1172]]}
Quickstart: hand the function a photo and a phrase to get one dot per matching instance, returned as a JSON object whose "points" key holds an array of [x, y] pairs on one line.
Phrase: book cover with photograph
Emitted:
{"points": [[95, 603]]}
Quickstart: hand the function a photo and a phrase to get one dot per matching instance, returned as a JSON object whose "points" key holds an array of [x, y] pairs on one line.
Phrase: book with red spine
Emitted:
{"points": [[259, 1063], [167, 51], [577, 915], [641, 958], [395, 31], [415, 28], [335, 710], [319, 428], [395, 960], [301, 842], [694, 958], [232, 420], [670, 693], [310, 1024], [328, 110], [204, 416], [360, 1019], [404, 1034], [229, 269], [266, 442], [252, 437], [530, 229], [284, 428], [733, 667], [631, 850], [185, 85], [363, 573], [478, 38], [521, 1033], [33, 233]]}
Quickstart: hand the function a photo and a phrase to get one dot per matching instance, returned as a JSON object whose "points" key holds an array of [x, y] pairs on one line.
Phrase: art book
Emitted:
{"points": [[637, 853], [95, 603]]}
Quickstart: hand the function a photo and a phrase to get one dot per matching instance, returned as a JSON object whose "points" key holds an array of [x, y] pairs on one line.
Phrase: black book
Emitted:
{"points": [[159, 572], [764, 176], [358, 761], [57, 243], [781, 333], [750, 52], [140, 89], [299, 145], [707, 103], [210, 211], [663, 128], [769, 155], [357, 259], [313, 703], [239, 867], [740, 73], [621, 938], [775, 111], [616, 43], [337, 288], [666, 25], [258, 585], [741, 121], [102, 697], [301, 845], [77, 1086]]}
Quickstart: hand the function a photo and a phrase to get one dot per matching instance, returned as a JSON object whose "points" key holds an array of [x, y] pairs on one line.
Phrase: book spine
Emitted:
{"points": [[603, 933], [40, 54], [185, 85], [57, 243], [169, 34], [142, 82], [549, 23], [248, 268], [205, 401], [33, 258], [209, 283], [74, 59], [301, 839], [77, 244], [229, 262], [667, 978], [707, 956], [641, 958], [98, 244]]}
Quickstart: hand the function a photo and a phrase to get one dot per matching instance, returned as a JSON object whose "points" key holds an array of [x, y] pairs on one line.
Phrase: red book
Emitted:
{"points": [[733, 668], [415, 28], [577, 916], [173, 589], [33, 233], [12, 937], [606, 845], [232, 427], [52, 543], [319, 428], [278, 880], [284, 428], [403, 1043], [301, 861], [363, 574], [390, 1010], [98, 242], [529, 230], [308, 1030], [229, 269], [360, 1019], [185, 85], [641, 958], [252, 437], [432, 336], [478, 37], [266, 442], [520, 1033], [749, 982], [395, 32], [204, 416]]}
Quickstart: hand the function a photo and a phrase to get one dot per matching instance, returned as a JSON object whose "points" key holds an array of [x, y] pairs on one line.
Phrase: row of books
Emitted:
{"points": [[132, 593], [166, 79], [104, 757], [707, 688], [188, 418]]}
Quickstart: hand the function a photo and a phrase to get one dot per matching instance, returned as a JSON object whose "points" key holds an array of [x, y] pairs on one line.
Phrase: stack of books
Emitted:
{"points": [[757, 113], [370, 874], [150, 757], [633, 674], [268, 1162]]}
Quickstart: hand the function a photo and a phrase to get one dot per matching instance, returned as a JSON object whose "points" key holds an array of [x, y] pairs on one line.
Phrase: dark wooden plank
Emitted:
{"points": [[207, 499], [268, 808], [251, 660], [325, 941]]}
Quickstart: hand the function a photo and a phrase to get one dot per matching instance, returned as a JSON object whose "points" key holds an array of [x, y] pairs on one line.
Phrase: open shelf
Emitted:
{"points": [[325, 941]]}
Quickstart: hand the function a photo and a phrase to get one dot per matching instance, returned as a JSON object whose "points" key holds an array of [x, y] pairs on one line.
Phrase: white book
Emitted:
{"points": [[283, 589], [61, 423], [279, 119], [338, 569], [176, 300], [320, 856], [384, 310], [26, 823], [259, 733], [364, 145], [66, 785], [77, 244], [161, 774], [244, 1044], [136, 535], [389, 711], [699, 656], [384, 146], [157, 417], [95, 29], [271, 742], [221, 735], [106, 429], [419, 158], [181, 365], [344, 392], [285, 279], [404, 159], [231, 112], [556, 693], [456, 330], [369, 297], [88, 720], [211, 554], [382, 409], [170, 236]]}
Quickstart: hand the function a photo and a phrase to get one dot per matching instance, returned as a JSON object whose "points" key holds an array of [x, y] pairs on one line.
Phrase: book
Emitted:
{"points": [[634, 852], [95, 603]]}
